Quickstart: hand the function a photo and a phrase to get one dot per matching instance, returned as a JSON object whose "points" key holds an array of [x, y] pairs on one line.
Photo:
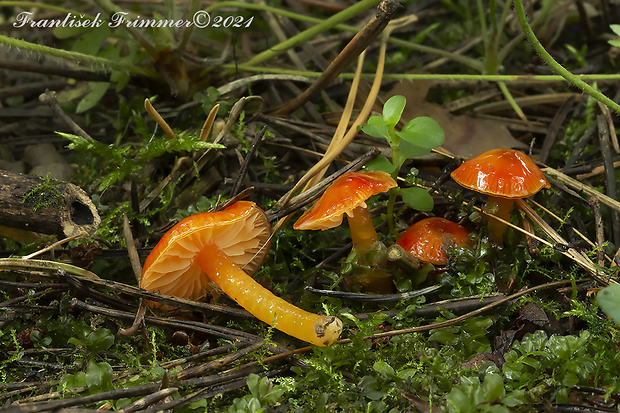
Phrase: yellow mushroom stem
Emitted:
{"points": [[263, 304], [364, 238], [363, 232], [501, 208]]}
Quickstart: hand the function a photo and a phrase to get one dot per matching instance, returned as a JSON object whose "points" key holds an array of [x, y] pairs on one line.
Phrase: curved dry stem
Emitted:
{"points": [[558, 68]]}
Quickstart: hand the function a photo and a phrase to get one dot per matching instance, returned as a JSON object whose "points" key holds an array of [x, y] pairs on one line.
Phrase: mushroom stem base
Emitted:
{"points": [[263, 304], [503, 210], [363, 232]]}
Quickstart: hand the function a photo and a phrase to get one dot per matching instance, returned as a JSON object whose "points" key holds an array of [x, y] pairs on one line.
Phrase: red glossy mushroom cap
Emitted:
{"points": [[241, 231], [346, 193], [427, 239], [503, 173]]}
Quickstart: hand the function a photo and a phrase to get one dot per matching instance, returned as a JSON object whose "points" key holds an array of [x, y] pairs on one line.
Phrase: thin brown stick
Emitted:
{"points": [[199, 370], [577, 256], [351, 51], [600, 235], [246, 161], [148, 400], [581, 187], [49, 98], [611, 184]]}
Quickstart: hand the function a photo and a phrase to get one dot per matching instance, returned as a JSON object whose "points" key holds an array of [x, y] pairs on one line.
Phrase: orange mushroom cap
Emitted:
{"points": [[426, 239], [503, 173], [241, 231], [346, 193]]}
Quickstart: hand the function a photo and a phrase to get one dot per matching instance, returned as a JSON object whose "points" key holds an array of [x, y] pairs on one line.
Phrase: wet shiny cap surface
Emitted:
{"points": [[503, 173], [346, 193]]}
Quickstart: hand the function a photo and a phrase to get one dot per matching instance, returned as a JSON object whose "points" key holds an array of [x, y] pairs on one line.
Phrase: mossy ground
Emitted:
{"points": [[551, 348]]}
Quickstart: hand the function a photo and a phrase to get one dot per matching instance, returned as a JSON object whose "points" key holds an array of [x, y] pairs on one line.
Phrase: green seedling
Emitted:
{"points": [[609, 301], [418, 137], [616, 29]]}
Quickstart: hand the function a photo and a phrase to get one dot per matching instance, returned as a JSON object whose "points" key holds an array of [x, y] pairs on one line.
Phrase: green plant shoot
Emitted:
{"points": [[616, 29], [609, 301], [417, 138]]}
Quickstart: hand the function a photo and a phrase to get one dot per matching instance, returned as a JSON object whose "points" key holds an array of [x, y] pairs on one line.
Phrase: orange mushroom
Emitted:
{"points": [[348, 195], [218, 247], [427, 239], [504, 175]]}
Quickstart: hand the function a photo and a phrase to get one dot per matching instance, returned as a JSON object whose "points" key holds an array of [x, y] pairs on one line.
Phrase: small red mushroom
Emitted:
{"points": [[428, 239], [348, 195], [504, 175]]}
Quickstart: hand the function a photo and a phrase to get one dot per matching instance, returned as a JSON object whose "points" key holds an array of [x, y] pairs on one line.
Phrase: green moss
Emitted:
{"points": [[45, 195]]}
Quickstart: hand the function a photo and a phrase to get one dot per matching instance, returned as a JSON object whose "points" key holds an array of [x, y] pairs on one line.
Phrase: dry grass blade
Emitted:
{"points": [[338, 142], [304, 198], [574, 254], [560, 220], [610, 124], [134, 258], [354, 48], [581, 187], [52, 246], [343, 123], [342, 142]]}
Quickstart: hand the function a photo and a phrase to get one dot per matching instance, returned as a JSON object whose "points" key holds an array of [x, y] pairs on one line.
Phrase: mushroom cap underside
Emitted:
{"points": [[504, 173], [427, 239], [346, 193], [241, 231]]}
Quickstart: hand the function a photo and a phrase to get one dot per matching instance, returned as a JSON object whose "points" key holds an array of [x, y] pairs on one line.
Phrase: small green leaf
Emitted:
{"points": [[614, 42], [409, 150], [100, 340], [64, 32], [423, 131], [393, 109], [381, 163], [615, 28], [90, 41], [382, 367], [97, 90], [417, 198], [609, 301], [493, 387], [98, 374], [459, 401], [407, 374], [377, 128]]}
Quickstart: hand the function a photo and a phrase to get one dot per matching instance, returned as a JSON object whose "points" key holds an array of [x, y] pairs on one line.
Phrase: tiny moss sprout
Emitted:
{"points": [[45, 195], [118, 163], [418, 137]]}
